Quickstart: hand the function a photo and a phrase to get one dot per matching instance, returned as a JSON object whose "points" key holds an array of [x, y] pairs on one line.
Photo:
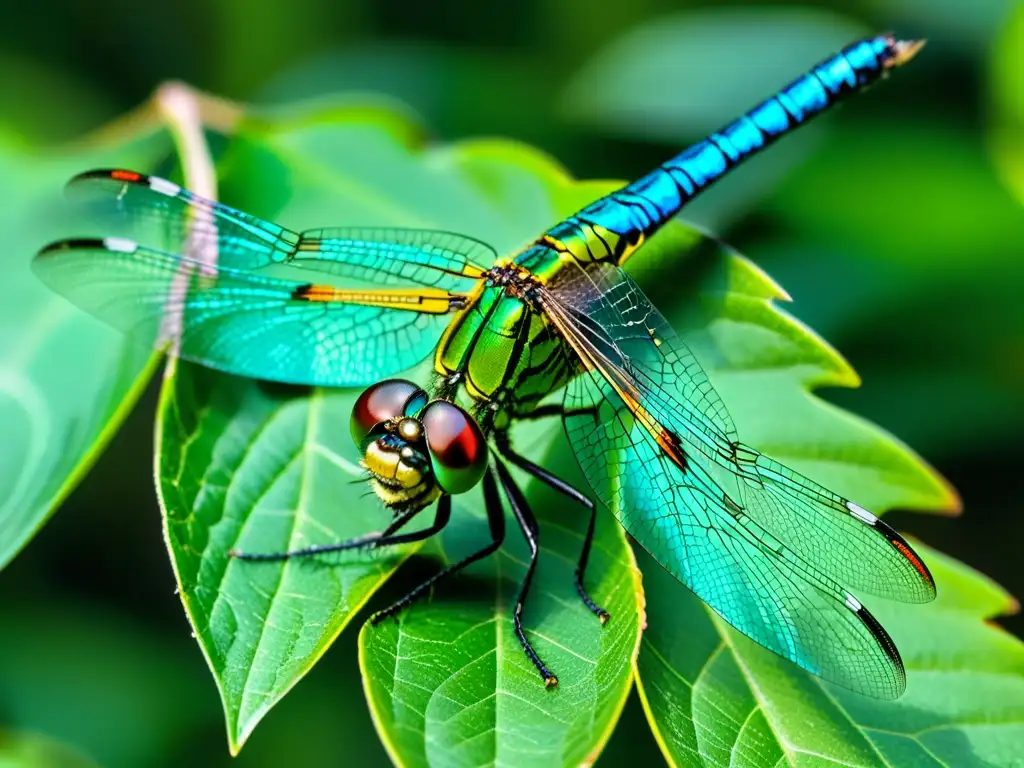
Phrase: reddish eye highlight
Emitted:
{"points": [[458, 450], [381, 402]]}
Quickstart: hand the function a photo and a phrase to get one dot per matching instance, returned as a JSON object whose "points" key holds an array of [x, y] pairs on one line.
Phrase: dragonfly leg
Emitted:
{"points": [[528, 525], [563, 487], [496, 521], [385, 538]]}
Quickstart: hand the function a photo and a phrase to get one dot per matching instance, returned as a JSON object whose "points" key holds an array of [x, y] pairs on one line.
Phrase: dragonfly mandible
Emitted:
{"points": [[772, 552]]}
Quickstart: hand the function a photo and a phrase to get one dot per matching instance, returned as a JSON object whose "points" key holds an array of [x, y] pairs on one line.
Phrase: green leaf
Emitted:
{"points": [[262, 468], [242, 464], [450, 683], [31, 750], [66, 380], [718, 699], [911, 378]]}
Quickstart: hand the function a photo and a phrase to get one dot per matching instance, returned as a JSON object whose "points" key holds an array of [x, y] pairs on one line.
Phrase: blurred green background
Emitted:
{"points": [[916, 274]]}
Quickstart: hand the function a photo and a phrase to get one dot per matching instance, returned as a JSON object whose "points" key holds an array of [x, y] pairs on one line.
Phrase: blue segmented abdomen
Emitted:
{"points": [[617, 224]]}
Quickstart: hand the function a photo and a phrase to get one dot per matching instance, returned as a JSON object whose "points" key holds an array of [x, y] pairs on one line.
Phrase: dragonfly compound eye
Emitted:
{"points": [[458, 450], [381, 402]]}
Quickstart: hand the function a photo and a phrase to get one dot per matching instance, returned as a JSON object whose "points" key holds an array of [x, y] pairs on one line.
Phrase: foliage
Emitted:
{"points": [[246, 464], [718, 697], [54, 422], [243, 463]]}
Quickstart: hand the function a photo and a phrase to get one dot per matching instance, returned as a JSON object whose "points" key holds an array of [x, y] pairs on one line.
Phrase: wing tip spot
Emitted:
{"points": [[918, 564], [51, 248], [885, 642], [896, 540], [861, 514], [109, 174], [164, 187], [121, 175], [120, 244]]}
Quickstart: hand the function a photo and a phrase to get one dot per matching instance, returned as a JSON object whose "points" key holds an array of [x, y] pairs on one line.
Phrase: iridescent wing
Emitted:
{"points": [[770, 551], [239, 315], [159, 213]]}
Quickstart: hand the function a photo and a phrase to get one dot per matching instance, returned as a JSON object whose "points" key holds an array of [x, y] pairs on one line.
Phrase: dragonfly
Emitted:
{"points": [[772, 552]]}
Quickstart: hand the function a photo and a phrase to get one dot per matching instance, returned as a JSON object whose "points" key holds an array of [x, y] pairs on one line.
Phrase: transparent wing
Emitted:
{"points": [[157, 212], [763, 546], [246, 323], [753, 581], [631, 328], [844, 541]]}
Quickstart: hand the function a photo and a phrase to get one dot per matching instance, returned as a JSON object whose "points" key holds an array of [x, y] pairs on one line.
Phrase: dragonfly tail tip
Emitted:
{"points": [[905, 50]]}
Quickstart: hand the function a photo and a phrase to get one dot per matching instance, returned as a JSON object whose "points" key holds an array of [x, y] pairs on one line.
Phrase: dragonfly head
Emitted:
{"points": [[416, 449]]}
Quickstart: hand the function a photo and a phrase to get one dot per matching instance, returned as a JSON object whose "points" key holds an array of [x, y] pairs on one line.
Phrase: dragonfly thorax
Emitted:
{"points": [[416, 449], [516, 280]]}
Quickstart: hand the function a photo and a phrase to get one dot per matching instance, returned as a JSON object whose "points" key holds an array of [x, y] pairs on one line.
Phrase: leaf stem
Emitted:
{"points": [[178, 106], [213, 112]]}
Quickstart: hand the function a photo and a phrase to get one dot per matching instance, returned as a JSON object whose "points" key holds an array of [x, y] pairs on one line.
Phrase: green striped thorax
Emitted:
{"points": [[500, 349], [415, 448]]}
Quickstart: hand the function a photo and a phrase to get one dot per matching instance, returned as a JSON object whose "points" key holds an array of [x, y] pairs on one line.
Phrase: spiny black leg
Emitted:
{"points": [[528, 524], [496, 521], [385, 538], [563, 487]]}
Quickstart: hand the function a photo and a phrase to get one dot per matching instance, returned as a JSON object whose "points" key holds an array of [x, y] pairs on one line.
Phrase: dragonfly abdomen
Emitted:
{"points": [[616, 225]]}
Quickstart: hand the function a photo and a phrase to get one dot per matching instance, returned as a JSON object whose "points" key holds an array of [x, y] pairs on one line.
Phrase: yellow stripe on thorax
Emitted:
{"points": [[453, 325]]}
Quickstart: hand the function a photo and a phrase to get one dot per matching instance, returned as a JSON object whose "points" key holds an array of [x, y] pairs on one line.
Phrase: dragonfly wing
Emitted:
{"points": [[842, 540], [677, 512], [615, 313], [392, 255], [158, 212], [761, 545], [246, 323]]}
